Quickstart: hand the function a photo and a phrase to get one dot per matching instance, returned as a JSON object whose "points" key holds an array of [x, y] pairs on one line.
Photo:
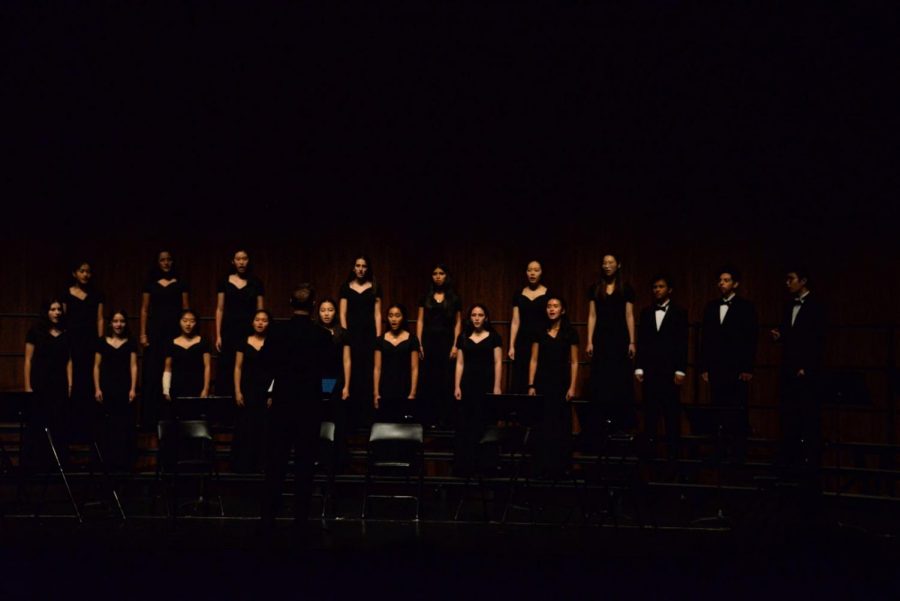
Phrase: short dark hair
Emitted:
{"points": [[303, 297], [801, 271], [664, 277], [730, 269]]}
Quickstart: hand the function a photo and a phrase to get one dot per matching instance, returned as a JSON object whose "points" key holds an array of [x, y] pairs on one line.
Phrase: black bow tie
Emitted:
{"points": [[662, 308], [727, 303], [798, 302]]}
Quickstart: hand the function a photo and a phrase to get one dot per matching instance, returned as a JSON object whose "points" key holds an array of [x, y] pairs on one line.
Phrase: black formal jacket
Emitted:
{"points": [[296, 353], [804, 342], [663, 352], [729, 347]]}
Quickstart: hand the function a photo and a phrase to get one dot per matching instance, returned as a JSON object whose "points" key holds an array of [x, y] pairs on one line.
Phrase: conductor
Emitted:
{"points": [[294, 354]]}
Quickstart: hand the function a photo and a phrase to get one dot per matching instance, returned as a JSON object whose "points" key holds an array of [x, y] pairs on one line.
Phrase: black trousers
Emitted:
{"points": [[661, 395], [291, 427], [801, 421], [727, 390]]}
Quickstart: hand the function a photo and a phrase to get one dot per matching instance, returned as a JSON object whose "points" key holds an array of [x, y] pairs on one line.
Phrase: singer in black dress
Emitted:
{"points": [[164, 297], [337, 368], [238, 296], [553, 373], [528, 320], [251, 392], [187, 363], [611, 347], [479, 364], [115, 380], [360, 315], [396, 371], [84, 323], [48, 375], [438, 326]]}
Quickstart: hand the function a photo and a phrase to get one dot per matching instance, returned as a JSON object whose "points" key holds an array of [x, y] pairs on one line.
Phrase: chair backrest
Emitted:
{"points": [[184, 442], [189, 429], [326, 431], [381, 432], [396, 445]]}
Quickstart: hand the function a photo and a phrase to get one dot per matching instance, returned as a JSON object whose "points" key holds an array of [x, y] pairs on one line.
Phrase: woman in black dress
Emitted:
{"points": [[83, 307], [479, 365], [115, 380], [528, 317], [611, 348], [164, 297], [553, 373], [187, 363], [251, 395], [337, 377], [238, 296], [438, 327], [396, 371], [360, 313], [48, 375]]}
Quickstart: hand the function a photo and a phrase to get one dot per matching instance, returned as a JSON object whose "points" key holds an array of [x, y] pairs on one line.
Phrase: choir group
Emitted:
{"points": [[81, 361]]}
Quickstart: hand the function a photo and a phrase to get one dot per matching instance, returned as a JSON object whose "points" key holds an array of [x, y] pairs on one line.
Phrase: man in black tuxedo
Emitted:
{"points": [[661, 362], [727, 355], [294, 353], [802, 336]]}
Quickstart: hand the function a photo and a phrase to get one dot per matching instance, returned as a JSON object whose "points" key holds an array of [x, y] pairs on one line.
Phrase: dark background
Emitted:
{"points": [[676, 135]]}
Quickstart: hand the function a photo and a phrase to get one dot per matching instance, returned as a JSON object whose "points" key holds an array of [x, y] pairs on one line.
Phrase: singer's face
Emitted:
{"points": [[727, 285], [661, 291], [360, 267], [533, 273], [326, 313], [794, 283], [438, 276], [477, 316], [554, 309]]}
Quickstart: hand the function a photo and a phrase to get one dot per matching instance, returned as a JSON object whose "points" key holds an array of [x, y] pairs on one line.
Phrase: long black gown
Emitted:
{"points": [[162, 326], [81, 319], [611, 387], [237, 324], [117, 438], [361, 334], [334, 370], [248, 445], [436, 371], [551, 381], [49, 401], [477, 381], [396, 377], [532, 319]]}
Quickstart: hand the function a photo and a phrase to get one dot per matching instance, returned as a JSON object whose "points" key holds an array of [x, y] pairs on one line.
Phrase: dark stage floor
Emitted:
{"points": [[154, 557]]}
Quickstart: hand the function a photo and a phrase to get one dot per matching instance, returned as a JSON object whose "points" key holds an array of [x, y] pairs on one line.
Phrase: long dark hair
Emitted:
{"points": [[126, 333], [336, 327], [600, 288], [468, 328], [155, 273], [43, 323], [451, 299], [404, 324], [370, 273], [565, 324]]}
